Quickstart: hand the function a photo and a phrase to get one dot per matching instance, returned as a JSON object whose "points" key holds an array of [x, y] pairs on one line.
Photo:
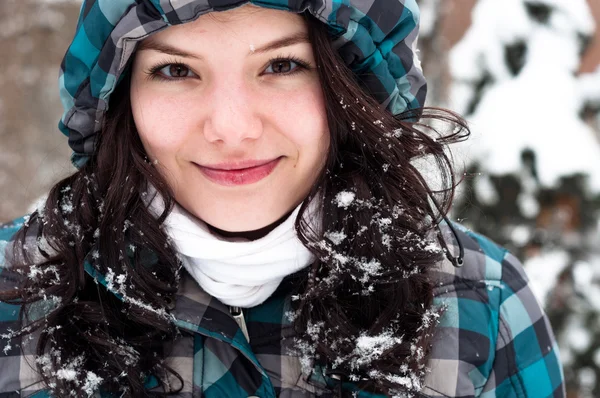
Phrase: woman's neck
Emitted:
{"points": [[250, 235]]}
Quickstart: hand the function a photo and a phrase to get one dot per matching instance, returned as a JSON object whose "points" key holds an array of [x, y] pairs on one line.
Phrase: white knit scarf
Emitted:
{"points": [[238, 272]]}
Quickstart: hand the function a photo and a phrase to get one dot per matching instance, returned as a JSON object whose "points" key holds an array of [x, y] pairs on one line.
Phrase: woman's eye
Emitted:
{"points": [[282, 66], [179, 71], [176, 71]]}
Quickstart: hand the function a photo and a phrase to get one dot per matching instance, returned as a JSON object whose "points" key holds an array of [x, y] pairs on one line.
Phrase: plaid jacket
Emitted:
{"points": [[493, 341]]}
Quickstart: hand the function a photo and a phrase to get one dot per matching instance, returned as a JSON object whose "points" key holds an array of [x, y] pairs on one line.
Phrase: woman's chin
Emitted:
{"points": [[251, 230]]}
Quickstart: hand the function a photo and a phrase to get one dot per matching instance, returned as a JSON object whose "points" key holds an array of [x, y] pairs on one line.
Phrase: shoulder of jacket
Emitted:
{"points": [[17, 378], [7, 233], [488, 315], [485, 263], [7, 230], [470, 298]]}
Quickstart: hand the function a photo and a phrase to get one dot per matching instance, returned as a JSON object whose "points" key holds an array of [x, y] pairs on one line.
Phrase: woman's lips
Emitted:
{"points": [[239, 176]]}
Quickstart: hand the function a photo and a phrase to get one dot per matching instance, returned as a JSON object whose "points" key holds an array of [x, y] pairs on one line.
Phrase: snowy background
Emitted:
{"points": [[526, 75]]}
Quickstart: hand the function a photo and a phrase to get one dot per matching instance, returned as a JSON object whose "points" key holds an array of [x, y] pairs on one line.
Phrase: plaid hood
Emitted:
{"points": [[376, 39]]}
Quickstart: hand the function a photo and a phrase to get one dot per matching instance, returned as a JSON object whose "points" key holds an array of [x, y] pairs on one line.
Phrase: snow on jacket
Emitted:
{"points": [[494, 340]]}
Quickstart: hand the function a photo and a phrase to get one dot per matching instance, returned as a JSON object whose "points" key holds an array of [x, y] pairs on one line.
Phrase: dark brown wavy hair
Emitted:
{"points": [[370, 279]]}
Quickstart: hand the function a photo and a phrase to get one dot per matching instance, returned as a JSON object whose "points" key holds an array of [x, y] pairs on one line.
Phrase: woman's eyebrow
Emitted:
{"points": [[149, 44], [165, 48], [300, 37]]}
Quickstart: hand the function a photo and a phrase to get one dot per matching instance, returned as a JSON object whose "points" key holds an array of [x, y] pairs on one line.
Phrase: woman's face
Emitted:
{"points": [[230, 109]]}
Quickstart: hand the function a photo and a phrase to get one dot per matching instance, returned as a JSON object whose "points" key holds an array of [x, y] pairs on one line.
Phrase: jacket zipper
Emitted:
{"points": [[238, 315]]}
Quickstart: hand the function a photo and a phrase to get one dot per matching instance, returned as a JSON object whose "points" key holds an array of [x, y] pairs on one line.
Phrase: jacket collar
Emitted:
{"points": [[197, 311], [194, 309]]}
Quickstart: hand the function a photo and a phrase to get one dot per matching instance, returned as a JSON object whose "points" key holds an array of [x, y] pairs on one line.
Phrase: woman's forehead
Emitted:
{"points": [[242, 12], [248, 17]]}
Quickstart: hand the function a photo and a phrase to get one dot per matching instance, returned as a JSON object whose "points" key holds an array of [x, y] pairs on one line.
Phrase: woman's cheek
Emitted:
{"points": [[312, 128], [161, 126]]}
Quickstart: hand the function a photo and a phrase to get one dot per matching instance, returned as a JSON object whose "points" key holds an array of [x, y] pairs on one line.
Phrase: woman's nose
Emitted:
{"points": [[233, 117]]}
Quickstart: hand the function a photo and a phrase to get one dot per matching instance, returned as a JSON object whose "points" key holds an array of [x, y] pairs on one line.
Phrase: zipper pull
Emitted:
{"points": [[238, 315]]}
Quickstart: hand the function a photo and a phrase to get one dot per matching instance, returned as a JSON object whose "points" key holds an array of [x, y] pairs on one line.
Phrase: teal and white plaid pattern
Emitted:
{"points": [[376, 38], [494, 339]]}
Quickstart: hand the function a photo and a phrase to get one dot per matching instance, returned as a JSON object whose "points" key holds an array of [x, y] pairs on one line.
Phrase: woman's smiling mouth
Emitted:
{"points": [[239, 173]]}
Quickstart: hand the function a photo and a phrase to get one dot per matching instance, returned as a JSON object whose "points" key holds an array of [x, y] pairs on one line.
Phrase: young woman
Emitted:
{"points": [[251, 217]]}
